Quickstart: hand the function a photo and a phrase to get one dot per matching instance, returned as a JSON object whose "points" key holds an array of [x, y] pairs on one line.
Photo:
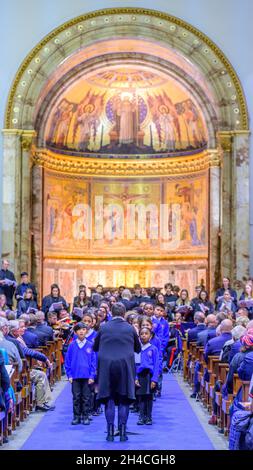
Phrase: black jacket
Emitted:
{"points": [[116, 343], [8, 291]]}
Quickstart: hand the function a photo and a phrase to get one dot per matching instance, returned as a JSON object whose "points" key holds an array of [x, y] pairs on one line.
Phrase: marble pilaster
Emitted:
{"points": [[240, 206], [214, 228], [37, 226], [225, 141], [11, 213]]}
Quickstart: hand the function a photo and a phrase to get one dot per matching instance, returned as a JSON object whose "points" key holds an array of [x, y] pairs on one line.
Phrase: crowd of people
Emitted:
{"points": [[159, 318]]}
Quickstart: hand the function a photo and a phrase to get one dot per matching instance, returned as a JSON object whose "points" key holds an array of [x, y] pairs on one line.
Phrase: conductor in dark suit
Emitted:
{"points": [[116, 343]]}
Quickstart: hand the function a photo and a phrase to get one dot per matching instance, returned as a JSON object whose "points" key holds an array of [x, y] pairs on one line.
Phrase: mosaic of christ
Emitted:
{"points": [[126, 111]]}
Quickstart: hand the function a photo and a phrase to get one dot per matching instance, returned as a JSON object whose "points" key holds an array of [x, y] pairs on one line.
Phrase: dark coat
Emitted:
{"points": [[24, 305], [49, 300], [21, 288], [116, 343], [4, 382], [8, 291], [31, 339], [193, 333]]}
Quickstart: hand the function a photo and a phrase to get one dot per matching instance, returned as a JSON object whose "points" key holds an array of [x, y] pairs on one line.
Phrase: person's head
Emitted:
{"points": [[82, 294], [248, 290], [227, 296], [159, 311], [5, 264], [148, 309], [112, 300], [178, 317], [126, 294], [14, 328], [99, 289], [52, 318], [129, 316], [26, 318], [220, 316], [203, 295], [136, 322], [237, 332], [226, 326], [82, 287], [160, 298], [121, 288], [2, 314], [247, 341], [199, 317], [11, 315], [55, 290], [243, 321], [28, 295], [211, 321], [2, 301], [145, 335], [64, 314], [88, 320], [176, 290], [153, 291], [226, 282], [144, 292], [146, 322], [105, 306], [242, 312], [137, 289], [22, 326], [184, 294], [118, 310], [40, 317], [102, 314], [4, 327], [198, 289], [33, 319], [168, 288], [81, 330], [24, 278]]}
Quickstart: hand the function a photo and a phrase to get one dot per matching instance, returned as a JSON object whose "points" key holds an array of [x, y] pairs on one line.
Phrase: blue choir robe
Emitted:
{"points": [[80, 363], [150, 361]]}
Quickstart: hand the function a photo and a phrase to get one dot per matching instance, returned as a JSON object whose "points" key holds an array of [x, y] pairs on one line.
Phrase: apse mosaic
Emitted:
{"points": [[125, 111]]}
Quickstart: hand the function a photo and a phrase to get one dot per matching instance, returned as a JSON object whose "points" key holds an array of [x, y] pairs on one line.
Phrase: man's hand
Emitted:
{"points": [[70, 380], [153, 385], [137, 383], [91, 381]]}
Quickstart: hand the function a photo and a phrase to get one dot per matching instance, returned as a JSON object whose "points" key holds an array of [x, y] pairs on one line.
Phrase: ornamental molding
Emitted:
{"points": [[127, 168]]}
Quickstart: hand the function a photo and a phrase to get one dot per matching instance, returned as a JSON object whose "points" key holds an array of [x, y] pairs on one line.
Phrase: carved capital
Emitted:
{"points": [[27, 138], [225, 140]]}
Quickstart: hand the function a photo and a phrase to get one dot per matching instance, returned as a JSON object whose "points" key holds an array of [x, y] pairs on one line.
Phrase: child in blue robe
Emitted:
{"points": [[147, 377]]}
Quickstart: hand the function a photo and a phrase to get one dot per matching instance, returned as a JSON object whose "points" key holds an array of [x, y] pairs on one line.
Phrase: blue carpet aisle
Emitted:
{"points": [[175, 426]]}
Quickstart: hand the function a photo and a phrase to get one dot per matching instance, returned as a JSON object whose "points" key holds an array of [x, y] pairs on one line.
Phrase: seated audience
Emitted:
{"points": [[199, 320], [10, 348], [29, 337], [214, 346], [209, 332]]}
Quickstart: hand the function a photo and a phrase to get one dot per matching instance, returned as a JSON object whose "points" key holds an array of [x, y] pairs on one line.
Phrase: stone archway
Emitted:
{"points": [[173, 45]]}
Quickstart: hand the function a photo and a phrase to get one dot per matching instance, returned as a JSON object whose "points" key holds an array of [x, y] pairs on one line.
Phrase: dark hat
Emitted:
{"points": [[24, 274], [80, 325]]}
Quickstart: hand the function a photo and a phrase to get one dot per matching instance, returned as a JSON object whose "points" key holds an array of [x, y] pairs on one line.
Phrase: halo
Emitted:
{"points": [[89, 108], [163, 108]]}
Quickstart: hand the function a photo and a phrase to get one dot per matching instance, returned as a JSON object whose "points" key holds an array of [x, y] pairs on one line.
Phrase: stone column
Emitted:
{"points": [[214, 221], [11, 184], [16, 198], [225, 150], [240, 206], [26, 201], [37, 227]]}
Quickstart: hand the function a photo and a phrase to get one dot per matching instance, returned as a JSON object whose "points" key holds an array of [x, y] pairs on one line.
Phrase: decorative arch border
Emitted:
{"points": [[238, 106]]}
